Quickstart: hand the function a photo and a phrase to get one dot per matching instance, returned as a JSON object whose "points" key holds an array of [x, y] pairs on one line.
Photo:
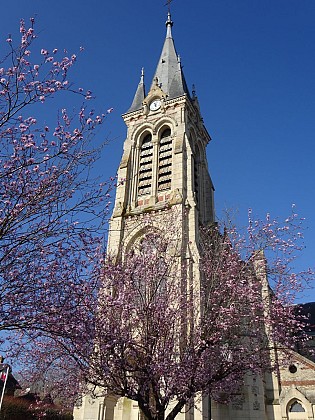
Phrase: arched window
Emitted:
{"points": [[165, 161], [145, 166], [296, 407]]}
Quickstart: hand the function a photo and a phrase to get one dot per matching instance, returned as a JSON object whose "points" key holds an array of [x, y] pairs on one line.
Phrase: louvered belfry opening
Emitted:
{"points": [[165, 161], [145, 166]]}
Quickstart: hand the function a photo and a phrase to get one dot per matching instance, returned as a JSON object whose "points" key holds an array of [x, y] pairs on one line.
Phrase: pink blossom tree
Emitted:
{"points": [[162, 340], [51, 211], [133, 326]]}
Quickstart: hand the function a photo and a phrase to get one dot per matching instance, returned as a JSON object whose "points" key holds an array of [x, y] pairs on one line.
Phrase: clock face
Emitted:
{"points": [[155, 105]]}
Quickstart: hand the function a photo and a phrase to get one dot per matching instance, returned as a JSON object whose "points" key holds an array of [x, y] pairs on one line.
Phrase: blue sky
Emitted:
{"points": [[253, 65]]}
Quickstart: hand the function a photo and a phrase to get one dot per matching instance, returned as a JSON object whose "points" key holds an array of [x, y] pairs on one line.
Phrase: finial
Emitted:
{"points": [[193, 91], [142, 75], [169, 25], [169, 20]]}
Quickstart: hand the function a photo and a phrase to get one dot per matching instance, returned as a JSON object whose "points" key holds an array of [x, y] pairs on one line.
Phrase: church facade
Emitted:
{"points": [[163, 169]]}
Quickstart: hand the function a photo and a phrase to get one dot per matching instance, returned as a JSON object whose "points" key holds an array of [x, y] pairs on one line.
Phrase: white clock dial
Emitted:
{"points": [[155, 105]]}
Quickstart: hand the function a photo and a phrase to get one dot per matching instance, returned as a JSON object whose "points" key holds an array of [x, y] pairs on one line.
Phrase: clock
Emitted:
{"points": [[155, 105]]}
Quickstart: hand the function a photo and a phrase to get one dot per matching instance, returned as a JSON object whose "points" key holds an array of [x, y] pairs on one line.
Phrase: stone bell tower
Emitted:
{"points": [[164, 160], [163, 170]]}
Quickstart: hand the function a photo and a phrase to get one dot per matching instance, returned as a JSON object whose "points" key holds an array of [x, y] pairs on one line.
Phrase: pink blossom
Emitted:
{"points": [[22, 26]]}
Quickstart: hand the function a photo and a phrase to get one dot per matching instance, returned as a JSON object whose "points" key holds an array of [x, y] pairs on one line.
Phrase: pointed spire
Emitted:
{"points": [[168, 74], [169, 71], [139, 95]]}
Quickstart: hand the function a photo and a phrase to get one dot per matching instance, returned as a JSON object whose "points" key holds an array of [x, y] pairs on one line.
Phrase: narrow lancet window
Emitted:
{"points": [[197, 175], [145, 166], [165, 161]]}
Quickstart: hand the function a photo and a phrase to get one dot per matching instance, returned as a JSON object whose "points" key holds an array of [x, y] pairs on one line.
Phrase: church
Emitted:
{"points": [[164, 165]]}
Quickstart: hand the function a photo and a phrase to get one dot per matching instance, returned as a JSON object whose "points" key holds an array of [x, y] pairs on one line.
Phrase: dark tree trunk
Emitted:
{"points": [[178, 407]]}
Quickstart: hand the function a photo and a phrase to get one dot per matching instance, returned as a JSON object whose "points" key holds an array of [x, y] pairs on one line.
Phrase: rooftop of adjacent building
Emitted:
{"points": [[308, 310]]}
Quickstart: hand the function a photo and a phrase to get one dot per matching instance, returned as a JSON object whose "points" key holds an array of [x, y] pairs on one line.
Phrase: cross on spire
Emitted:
{"points": [[168, 4]]}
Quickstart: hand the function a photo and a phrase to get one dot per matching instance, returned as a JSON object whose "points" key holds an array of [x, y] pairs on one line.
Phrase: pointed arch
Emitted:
{"points": [[136, 236], [138, 133], [296, 407], [293, 399]]}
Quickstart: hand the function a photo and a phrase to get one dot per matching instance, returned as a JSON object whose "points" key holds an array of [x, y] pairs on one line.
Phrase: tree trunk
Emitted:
{"points": [[178, 407]]}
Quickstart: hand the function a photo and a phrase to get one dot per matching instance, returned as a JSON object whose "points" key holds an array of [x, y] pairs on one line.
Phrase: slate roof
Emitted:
{"points": [[168, 73], [139, 95]]}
